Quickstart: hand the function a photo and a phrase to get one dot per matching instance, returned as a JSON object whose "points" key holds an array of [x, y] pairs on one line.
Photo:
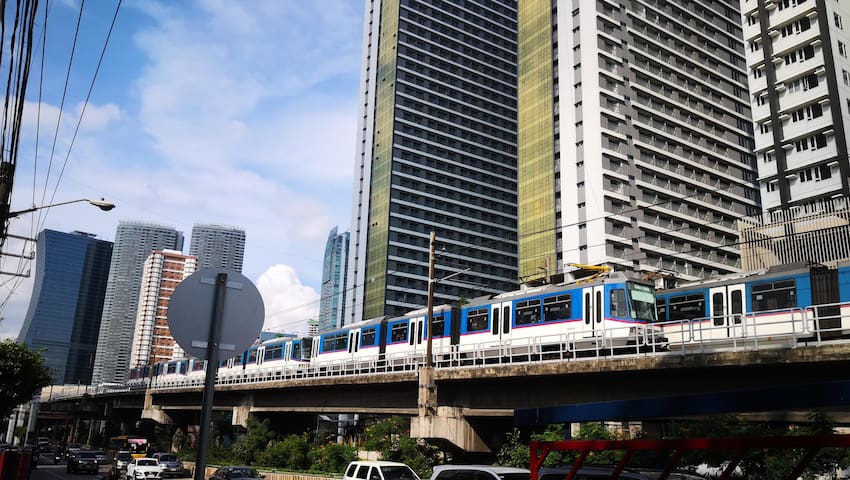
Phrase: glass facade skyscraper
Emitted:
{"points": [[218, 246], [66, 304], [334, 271], [436, 152], [134, 242]]}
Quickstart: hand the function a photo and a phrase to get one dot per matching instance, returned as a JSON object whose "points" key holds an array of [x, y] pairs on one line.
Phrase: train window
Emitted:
{"points": [[557, 308], [252, 356], [296, 351], [642, 301], [717, 307], [737, 307], [527, 312], [368, 336], [172, 368], [687, 307], [774, 295], [661, 307], [476, 320], [398, 332], [331, 343], [198, 365], [617, 297], [273, 353], [438, 323]]}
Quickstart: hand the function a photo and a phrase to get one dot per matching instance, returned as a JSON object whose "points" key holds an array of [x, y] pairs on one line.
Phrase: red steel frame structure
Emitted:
{"points": [[741, 445]]}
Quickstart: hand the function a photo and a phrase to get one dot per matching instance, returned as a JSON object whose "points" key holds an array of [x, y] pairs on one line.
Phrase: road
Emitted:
{"points": [[57, 472]]}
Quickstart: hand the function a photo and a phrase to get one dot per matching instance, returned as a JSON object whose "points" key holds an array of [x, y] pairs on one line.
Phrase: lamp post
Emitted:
{"points": [[101, 204]]}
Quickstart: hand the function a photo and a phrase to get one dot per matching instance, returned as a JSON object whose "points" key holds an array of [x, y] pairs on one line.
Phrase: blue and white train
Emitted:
{"points": [[608, 314], [788, 303]]}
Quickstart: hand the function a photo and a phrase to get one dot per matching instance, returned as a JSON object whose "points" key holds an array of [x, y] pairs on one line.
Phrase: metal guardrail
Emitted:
{"points": [[784, 328]]}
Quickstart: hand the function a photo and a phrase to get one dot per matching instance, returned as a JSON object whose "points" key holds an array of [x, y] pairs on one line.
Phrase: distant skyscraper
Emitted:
{"points": [[134, 242], [67, 302], [436, 151], [218, 246], [635, 139], [334, 272], [798, 59], [152, 340]]}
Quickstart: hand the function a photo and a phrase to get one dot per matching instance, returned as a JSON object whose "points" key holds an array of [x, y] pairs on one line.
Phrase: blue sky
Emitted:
{"points": [[207, 111]]}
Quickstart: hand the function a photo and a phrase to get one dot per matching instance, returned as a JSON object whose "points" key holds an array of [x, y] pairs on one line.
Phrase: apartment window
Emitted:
{"points": [[771, 186], [842, 49], [758, 72], [846, 75], [838, 23], [764, 127], [810, 82], [768, 157]]}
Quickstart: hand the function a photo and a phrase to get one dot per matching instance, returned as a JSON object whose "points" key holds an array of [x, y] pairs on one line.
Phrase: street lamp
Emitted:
{"points": [[101, 204]]}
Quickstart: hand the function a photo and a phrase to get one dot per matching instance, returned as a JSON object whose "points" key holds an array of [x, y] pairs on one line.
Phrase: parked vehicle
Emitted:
{"points": [[379, 470], [480, 472], [171, 465], [122, 458], [590, 472], [102, 459], [82, 461], [234, 473], [143, 468]]}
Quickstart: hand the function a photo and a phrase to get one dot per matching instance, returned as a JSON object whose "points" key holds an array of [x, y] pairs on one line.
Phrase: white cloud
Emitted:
{"points": [[288, 303], [240, 114]]}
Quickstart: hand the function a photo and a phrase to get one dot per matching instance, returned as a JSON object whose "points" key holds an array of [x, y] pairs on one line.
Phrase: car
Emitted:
{"points": [[590, 472], [379, 470], [232, 473], [82, 461], [480, 472], [171, 465], [143, 468], [121, 460], [102, 459]]}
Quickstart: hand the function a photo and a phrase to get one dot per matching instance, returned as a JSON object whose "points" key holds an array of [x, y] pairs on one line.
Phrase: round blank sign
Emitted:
{"points": [[190, 313]]}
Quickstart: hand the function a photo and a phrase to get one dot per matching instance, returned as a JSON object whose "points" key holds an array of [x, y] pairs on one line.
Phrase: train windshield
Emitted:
{"points": [[642, 298]]}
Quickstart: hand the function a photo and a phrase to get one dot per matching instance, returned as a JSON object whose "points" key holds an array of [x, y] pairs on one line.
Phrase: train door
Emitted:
{"points": [[726, 311], [825, 295], [418, 335], [594, 311], [353, 342], [500, 316]]}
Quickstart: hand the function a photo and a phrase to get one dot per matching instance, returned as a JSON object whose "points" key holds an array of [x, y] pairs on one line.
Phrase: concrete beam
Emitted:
{"points": [[448, 426], [154, 412]]}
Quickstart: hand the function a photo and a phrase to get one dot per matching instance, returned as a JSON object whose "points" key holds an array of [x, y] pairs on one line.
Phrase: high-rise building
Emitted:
{"points": [[436, 152], [218, 246], [152, 340], [798, 59], [334, 270], [134, 242], [635, 136], [65, 308]]}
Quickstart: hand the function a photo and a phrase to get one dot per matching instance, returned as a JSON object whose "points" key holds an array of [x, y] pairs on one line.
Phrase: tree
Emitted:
{"points": [[22, 374], [391, 437]]}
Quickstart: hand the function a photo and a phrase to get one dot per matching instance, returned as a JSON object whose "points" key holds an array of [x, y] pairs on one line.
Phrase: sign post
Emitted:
{"points": [[230, 326]]}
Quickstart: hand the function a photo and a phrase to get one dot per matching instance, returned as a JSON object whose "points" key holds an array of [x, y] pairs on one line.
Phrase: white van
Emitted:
{"points": [[378, 470]]}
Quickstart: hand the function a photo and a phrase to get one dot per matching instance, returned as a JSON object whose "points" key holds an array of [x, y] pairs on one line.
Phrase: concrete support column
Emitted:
{"points": [[448, 425], [242, 412]]}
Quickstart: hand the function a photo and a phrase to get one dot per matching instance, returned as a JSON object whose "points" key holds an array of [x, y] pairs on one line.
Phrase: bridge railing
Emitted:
{"points": [[781, 328]]}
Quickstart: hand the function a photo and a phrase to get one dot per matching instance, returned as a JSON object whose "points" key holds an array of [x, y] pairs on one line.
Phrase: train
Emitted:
{"points": [[784, 304], [610, 313]]}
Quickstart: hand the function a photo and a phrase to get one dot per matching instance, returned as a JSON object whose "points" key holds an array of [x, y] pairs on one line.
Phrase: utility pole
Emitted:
{"points": [[429, 352]]}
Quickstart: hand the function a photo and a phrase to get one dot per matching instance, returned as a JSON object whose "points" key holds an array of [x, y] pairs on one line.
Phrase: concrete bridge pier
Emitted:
{"points": [[242, 412], [445, 425], [154, 412]]}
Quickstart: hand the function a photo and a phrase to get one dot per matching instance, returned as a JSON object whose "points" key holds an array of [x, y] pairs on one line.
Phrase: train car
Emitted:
{"points": [[779, 304], [139, 377], [608, 312], [358, 343], [278, 357]]}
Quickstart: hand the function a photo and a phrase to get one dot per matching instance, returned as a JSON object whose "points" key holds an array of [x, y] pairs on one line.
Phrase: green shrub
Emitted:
{"points": [[290, 453], [332, 458]]}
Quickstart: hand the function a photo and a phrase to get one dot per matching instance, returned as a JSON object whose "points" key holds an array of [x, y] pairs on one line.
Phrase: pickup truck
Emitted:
{"points": [[143, 468]]}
